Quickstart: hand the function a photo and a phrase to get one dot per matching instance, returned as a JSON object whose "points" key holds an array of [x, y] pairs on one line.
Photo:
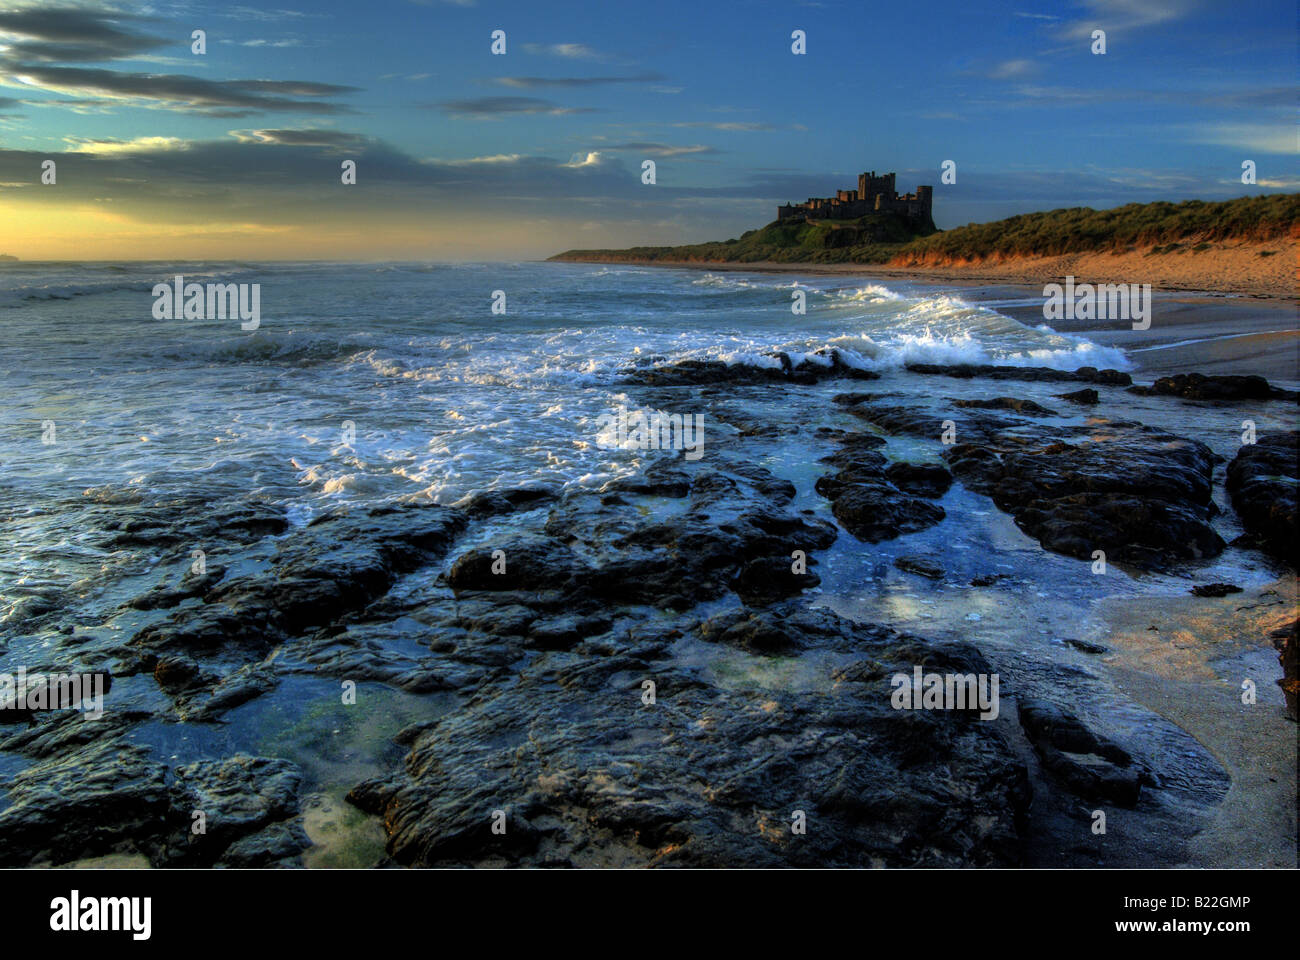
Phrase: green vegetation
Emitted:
{"points": [[871, 239], [879, 238]]}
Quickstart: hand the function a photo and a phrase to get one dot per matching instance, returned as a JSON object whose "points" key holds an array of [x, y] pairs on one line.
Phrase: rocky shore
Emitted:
{"points": [[660, 672]]}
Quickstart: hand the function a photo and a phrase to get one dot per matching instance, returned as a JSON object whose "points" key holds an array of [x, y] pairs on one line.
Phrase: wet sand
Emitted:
{"points": [[1189, 332], [1190, 669]]}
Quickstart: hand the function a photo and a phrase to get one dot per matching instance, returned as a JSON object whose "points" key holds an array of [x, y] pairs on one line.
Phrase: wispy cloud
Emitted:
{"points": [[49, 49], [568, 51], [114, 147], [69, 34], [302, 138], [734, 127], [180, 91], [1009, 69], [268, 16], [661, 149], [1272, 138], [530, 83], [500, 106], [1124, 16]]}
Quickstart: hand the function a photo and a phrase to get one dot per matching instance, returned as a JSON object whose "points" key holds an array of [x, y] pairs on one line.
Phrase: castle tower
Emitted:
{"points": [[926, 196]]}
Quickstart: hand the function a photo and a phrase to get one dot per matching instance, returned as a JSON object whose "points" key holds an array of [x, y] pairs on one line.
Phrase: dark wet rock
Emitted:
{"points": [[966, 371], [921, 479], [83, 803], [971, 426], [206, 656], [1084, 397], [191, 522], [921, 566], [860, 671], [868, 506], [1262, 481], [987, 579], [524, 564], [585, 773], [1015, 404], [1215, 589], [1091, 766], [672, 561], [279, 845], [756, 632], [191, 585], [1143, 531], [807, 371], [239, 796], [768, 579], [1087, 646], [1199, 386], [233, 690], [176, 674], [495, 503], [563, 632], [56, 733], [336, 565], [1140, 495], [877, 511]]}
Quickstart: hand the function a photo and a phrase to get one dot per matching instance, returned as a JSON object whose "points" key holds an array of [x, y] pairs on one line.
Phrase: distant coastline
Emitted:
{"points": [[8, 258], [1245, 246]]}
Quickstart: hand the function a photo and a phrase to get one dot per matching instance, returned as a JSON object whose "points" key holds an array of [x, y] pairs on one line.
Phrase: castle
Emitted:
{"points": [[874, 195]]}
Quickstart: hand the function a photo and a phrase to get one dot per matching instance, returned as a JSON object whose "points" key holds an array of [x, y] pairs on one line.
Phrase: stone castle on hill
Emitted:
{"points": [[875, 194]]}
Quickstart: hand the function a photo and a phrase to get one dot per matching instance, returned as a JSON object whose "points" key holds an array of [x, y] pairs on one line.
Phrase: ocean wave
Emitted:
{"points": [[22, 296], [297, 349]]}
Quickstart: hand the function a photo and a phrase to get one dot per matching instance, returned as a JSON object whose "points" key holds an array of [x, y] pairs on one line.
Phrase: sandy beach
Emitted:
{"points": [[1249, 269]]}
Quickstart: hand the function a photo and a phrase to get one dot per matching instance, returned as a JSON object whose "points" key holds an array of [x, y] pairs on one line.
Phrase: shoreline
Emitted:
{"points": [[1221, 272], [1192, 330]]}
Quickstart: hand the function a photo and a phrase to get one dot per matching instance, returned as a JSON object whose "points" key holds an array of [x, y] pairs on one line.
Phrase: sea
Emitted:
{"points": [[367, 384]]}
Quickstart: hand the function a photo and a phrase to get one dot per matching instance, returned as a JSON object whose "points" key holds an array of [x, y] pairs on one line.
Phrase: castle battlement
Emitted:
{"points": [[875, 194]]}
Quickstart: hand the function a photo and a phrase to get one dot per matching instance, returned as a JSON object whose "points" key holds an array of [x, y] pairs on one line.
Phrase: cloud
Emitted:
{"points": [[268, 16], [302, 138], [44, 41], [568, 51], [70, 34], [496, 158], [1123, 16], [730, 127], [662, 149], [110, 146], [180, 91], [1013, 68], [530, 83], [1280, 138], [499, 106], [264, 43], [592, 158]]}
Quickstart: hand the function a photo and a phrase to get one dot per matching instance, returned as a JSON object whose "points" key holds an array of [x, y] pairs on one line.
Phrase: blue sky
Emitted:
{"points": [[463, 154]]}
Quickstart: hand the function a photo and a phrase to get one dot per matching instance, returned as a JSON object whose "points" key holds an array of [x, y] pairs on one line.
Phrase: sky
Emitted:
{"points": [[463, 154]]}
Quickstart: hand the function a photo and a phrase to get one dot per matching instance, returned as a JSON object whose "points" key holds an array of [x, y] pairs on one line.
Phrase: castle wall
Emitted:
{"points": [[874, 193]]}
